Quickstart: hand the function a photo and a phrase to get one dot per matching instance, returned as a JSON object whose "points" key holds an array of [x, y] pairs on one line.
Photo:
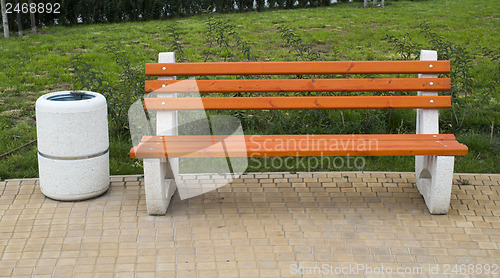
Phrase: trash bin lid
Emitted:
{"points": [[71, 96]]}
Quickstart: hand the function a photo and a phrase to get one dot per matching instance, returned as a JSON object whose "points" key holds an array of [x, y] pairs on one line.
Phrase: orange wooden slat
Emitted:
{"points": [[299, 85], [295, 146], [274, 103], [299, 137], [304, 144], [343, 148], [299, 145], [292, 68]]}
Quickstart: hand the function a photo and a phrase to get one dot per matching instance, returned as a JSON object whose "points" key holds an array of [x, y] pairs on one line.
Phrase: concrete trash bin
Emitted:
{"points": [[73, 145]]}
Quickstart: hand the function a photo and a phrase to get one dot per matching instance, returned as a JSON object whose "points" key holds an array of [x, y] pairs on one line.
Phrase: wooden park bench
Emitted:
{"points": [[434, 153]]}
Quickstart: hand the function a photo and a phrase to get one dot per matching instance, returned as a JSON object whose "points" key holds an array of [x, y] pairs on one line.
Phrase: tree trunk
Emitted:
{"points": [[32, 16], [4, 19], [383, 3], [366, 4], [19, 23]]}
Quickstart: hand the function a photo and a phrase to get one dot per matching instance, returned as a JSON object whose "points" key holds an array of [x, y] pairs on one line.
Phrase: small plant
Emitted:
{"points": [[243, 45], [222, 38], [176, 43], [460, 74], [405, 47], [216, 37], [494, 80], [303, 50], [119, 96], [461, 79]]}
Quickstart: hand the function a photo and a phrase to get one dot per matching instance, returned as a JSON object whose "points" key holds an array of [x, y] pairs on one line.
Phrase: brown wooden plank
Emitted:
{"points": [[344, 148], [298, 85], [274, 103], [292, 68]]}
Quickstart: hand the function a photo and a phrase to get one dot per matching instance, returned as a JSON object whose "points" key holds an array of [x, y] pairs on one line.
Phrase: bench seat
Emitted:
{"points": [[298, 145]]}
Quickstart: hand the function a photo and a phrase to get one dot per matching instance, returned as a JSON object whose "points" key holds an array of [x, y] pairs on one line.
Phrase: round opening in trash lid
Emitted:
{"points": [[73, 96]]}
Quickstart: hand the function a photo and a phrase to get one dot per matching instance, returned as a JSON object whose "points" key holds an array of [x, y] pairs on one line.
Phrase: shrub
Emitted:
{"points": [[119, 96], [463, 90]]}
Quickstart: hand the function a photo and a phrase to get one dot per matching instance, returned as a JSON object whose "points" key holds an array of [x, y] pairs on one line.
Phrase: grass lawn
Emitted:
{"points": [[33, 65]]}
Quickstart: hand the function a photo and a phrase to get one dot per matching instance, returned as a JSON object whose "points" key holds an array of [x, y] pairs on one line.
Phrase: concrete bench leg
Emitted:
{"points": [[158, 173], [434, 176], [159, 185]]}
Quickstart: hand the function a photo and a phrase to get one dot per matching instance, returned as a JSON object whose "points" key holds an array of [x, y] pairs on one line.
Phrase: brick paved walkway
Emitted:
{"points": [[263, 225]]}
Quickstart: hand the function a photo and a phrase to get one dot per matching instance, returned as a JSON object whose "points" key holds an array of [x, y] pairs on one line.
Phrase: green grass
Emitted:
{"points": [[37, 64]]}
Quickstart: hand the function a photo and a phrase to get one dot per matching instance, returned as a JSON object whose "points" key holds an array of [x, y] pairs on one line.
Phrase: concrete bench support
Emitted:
{"points": [[159, 172], [433, 174]]}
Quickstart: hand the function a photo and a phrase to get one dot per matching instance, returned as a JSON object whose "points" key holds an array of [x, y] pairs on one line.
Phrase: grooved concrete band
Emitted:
{"points": [[75, 157]]}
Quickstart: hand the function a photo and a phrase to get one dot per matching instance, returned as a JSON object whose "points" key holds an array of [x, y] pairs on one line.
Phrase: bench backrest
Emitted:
{"points": [[427, 84], [302, 85]]}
